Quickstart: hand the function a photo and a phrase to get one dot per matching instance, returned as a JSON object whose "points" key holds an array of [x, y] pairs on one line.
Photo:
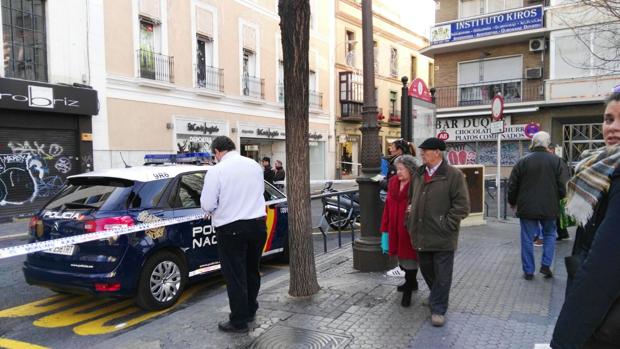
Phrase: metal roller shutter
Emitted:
{"points": [[34, 164]]}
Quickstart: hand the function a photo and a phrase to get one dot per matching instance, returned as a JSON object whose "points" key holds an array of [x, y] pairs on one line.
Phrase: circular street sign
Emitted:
{"points": [[497, 107], [443, 135], [531, 129]]}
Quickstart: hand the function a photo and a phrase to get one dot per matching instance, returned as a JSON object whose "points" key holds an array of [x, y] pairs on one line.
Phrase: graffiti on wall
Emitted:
{"points": [[461, 153], [45, 151], [487, 153], [483, 153], [19, 175], [32, 170]]}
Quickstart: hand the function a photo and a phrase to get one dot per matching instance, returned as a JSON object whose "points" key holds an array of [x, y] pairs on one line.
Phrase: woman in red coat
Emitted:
{"points": [[393, 222]]}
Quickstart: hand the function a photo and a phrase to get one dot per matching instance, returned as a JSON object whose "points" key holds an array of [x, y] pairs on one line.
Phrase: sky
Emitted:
{"points": [[417, 15]]}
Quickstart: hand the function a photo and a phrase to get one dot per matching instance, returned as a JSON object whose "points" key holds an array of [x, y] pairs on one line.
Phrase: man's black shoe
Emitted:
{"points": [[546, 271], [226, 326], [251, 318], [528, 276]]}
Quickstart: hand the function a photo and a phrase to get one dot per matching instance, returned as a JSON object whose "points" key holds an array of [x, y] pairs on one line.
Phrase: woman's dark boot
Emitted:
{"points": [[414, 283], [407, 288], [414, 280]]}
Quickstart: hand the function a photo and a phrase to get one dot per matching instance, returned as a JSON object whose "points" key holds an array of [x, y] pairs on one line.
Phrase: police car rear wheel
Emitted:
{"points": [[162, 281]]}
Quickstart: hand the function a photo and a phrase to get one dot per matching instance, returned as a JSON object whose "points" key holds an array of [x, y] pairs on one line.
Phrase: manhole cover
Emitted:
{"points": [[289, 337]]}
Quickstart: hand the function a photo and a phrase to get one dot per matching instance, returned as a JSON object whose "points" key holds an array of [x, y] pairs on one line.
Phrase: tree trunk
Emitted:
{"points": [[295, 28]]}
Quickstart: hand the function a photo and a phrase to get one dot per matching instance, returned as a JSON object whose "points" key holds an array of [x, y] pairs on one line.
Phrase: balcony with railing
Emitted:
{"points": [[210, 78], [281, 93], [394, 117], [513, 91], [155, 66], [380, 116], [350, 111], [316, 99], [253, 87]]}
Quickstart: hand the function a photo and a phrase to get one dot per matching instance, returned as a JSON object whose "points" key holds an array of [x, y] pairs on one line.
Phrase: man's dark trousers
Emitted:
{"points": [[240, 246], [436, 268]]}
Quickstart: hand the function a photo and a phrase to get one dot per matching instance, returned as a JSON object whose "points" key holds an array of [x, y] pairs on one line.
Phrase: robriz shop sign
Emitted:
{"points": [[29, 95], [475, 129]]}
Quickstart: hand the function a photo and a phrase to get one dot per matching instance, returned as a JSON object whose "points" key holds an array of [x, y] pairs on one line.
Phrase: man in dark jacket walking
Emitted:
{"points": [[439, 201], [268, 173], [537, 183]]}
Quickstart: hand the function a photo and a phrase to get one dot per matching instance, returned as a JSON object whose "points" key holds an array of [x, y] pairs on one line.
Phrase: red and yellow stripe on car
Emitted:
{"points": [[271, 221]]}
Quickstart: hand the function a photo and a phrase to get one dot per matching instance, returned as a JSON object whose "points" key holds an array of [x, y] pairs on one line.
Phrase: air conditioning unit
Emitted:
{"points": [[533, 73], [537, 45]]}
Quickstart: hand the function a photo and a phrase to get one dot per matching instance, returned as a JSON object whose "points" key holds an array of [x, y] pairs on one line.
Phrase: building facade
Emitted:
{"points": [[519, 49], [180, 73], [396, 55], [48, 100]]}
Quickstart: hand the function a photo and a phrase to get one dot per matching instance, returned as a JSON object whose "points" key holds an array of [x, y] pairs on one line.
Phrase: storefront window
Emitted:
{"points": [[349, 157], [317, 160], [193, 144]]}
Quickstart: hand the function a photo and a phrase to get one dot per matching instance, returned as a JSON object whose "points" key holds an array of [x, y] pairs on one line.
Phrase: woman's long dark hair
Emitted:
{"points": [[404, 146]]}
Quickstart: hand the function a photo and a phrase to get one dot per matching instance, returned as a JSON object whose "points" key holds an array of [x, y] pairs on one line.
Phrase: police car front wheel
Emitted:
{"points": [[162, 281]]}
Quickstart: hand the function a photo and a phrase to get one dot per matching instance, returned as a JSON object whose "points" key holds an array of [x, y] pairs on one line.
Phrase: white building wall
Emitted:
{"points": [[574, 74]]}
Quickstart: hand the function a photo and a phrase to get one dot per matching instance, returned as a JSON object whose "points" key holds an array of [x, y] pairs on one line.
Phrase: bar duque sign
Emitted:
{"points": [[500, 23], [475, 129], [43, 97]]}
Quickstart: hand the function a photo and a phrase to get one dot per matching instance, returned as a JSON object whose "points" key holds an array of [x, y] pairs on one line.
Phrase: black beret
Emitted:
{"points": [[433, 143], [266, 158]]}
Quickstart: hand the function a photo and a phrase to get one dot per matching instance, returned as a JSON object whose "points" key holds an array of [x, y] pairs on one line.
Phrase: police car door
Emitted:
{"points": [[197, 237]]}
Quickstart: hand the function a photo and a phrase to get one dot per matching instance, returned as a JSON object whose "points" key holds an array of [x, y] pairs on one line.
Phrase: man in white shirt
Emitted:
{"points": [[233, 196]]}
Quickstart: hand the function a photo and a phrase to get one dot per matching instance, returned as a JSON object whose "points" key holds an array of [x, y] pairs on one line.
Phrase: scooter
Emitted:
{"points": [[340, 214]]}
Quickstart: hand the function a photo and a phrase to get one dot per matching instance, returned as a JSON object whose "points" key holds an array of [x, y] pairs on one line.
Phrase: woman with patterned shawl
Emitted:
{"points": [[590, 316]]}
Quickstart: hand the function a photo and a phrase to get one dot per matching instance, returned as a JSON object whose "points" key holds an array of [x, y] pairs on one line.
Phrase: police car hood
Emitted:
{"points": [[141, 173]]}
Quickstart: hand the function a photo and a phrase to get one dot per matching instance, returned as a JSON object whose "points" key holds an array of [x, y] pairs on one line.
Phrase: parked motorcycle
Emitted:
{"points": [[339, 215]]}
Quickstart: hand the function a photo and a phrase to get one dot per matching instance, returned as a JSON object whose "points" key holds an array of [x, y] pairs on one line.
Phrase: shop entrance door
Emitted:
{"points": [[250, 151]]}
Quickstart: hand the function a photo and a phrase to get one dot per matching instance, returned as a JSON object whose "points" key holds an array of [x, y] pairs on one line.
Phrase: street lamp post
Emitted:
{"points": [[367, 254], [405, 112]]}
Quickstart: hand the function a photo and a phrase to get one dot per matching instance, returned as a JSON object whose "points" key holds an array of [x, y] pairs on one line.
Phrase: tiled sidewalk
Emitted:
{"points": [[491, 306]]}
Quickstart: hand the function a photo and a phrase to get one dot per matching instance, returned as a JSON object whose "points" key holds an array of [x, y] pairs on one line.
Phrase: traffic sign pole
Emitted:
{"points": [[497, 113]]}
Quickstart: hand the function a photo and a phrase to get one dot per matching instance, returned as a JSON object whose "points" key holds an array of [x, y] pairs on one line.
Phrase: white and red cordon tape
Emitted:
{"points": [[99, 235]]}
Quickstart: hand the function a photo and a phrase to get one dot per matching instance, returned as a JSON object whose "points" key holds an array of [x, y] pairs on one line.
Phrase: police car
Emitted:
{"points": [[154, 265]]}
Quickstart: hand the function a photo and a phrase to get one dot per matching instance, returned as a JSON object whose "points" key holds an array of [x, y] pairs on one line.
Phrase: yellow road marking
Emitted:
{"points": [[13, 344], [102, 326], [75, 315], [42, 306]]}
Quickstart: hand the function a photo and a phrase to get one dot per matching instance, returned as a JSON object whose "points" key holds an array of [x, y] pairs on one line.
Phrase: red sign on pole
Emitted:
{"points": [[497, 107], [443, 135], [419, 90]]}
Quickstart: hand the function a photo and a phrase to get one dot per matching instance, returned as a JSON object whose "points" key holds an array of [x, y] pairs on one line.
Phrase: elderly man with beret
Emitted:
{"points": [[439, 201]]}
